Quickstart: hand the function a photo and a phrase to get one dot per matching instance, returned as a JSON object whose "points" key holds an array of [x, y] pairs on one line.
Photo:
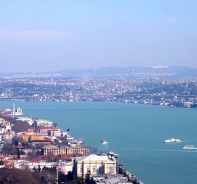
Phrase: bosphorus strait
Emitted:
{"points": [[136, 132]]}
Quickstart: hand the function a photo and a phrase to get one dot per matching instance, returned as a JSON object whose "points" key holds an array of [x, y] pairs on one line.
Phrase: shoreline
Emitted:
{"points": [[9, 116]]}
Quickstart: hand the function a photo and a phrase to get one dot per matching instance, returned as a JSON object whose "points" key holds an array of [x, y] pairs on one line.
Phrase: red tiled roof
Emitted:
{"points": [[9, 165], [67, 155], [41, 140], [2, 157], [19, 146], [12, 159], [35, 160], [30, 129]]}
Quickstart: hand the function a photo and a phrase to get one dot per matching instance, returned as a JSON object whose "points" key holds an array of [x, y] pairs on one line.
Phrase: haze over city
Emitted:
{"points": [[39, 36]]}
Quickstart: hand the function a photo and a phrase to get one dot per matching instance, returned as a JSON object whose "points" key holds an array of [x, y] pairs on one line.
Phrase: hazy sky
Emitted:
{"points": [[53, 35]]}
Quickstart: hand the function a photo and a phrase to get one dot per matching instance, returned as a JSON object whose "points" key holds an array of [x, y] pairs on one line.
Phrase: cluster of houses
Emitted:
{"points": [[49, 141], [6, 133]]}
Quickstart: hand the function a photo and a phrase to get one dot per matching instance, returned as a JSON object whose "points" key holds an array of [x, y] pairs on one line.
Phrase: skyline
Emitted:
{"points": [[64, 35]]}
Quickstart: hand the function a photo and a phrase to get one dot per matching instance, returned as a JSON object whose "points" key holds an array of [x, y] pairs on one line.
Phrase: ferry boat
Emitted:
{"points": [[172, 140], [189, 147], [104, 141]]}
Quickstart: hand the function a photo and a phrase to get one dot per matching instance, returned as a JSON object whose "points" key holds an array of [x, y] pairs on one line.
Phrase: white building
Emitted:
{"points": [[63, 167], [1, 120], [55, 133], [2, 130], [94, 164], [16, 111], [23, 118], [44, 123]]}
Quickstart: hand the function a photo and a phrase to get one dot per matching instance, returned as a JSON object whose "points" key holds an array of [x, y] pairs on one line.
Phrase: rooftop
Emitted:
{"points": [[50, 146]]}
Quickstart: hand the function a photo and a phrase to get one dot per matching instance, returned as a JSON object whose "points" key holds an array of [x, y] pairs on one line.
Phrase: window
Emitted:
{"points": [[100, 169], [94, 170], [111, 169]]}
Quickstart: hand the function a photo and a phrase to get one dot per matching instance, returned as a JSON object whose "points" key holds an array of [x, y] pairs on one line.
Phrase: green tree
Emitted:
{"points": [[78, 180]]}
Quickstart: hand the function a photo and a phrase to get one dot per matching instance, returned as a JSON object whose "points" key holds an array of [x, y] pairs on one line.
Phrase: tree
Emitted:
{"points": [[1, 162], [39, 169], [78, 180], [70, 175], [9, 149], [87, 177], [20, 126], [18, 153], [43, 180], [50, 157], [18, 176]]}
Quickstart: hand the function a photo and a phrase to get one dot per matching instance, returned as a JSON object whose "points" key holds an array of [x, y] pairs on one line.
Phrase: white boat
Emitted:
{"points": [[171, 140], [189, 147], [104, 141]]}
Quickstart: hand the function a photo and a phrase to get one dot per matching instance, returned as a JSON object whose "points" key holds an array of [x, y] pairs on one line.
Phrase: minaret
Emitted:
{"points": [[14, 109]]}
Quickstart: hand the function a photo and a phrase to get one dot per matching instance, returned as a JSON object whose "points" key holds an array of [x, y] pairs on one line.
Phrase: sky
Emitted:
{"points": [[55, 35]]}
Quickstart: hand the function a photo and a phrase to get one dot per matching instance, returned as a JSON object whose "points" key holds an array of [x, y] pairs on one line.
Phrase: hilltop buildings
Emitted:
{"points": [[149, 90]]}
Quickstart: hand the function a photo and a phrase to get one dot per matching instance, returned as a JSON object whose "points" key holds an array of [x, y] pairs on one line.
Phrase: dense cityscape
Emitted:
{"points": [[156, 91]]}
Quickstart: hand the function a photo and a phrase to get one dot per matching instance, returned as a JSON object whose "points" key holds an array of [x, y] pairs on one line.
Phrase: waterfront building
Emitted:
{"points": [[23, 118], [63, 167], [80, 149], [43, 123], [93, 165], [16, 111], [55, 150], [58, 150], [55, 133]]}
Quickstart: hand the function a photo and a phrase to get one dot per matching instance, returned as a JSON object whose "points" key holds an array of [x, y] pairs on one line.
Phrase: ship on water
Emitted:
{"points": [[189, 147], [104, 141], [172, 140]]}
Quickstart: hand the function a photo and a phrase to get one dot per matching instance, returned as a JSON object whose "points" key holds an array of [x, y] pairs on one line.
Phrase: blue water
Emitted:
{"points": [[136, 132]]}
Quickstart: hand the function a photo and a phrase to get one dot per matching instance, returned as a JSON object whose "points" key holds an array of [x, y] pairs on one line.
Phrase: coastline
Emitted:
{"points": [[14, 117]]}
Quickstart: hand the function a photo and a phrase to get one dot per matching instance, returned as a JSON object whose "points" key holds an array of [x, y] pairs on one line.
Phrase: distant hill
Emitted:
{"points": [[130, 71]]}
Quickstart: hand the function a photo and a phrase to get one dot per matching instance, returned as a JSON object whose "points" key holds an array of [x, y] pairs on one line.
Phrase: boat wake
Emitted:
{"points": [[189, 151], [180, 150], [172, 150], [190, 141]]}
